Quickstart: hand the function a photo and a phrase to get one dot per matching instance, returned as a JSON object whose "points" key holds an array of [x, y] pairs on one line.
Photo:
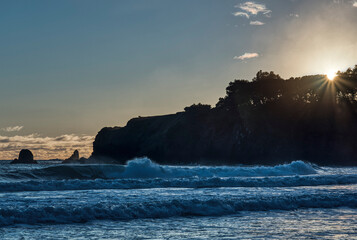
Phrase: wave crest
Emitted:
{"points": [[214, 206], [145, 168], [210, 182]]}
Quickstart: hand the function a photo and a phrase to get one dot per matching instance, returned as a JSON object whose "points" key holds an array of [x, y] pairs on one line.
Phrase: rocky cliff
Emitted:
{"points": [[179, 138], [267, 121], [255, 136]]}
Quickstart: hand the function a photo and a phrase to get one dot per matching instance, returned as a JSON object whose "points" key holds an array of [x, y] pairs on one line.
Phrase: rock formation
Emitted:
{"points": [[74, 158], [25, 157], [181, 138], [216, 139], [268, 120]]}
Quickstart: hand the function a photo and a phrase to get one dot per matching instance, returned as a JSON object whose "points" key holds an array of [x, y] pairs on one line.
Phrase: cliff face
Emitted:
{"points": [[258, 135], [171, 139], [267, 121]]}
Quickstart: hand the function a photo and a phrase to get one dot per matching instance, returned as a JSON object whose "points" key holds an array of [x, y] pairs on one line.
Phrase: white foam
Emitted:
{"points": [[145, 168]]}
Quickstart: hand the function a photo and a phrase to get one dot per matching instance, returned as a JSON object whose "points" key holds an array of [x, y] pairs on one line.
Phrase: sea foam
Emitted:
{"points": [[145, 168]]}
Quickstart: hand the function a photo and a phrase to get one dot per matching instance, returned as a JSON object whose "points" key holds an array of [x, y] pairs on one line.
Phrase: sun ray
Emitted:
{"points": [[331, 75]]}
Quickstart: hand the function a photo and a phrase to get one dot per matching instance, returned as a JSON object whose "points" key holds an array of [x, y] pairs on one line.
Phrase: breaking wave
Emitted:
{"points": [[213, 206], [145, 168], [210, 182], [149, 190]]}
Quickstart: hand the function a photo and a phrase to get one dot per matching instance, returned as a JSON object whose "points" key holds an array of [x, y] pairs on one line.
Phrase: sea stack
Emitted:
{"points": [[74, 158], [25, 157]]}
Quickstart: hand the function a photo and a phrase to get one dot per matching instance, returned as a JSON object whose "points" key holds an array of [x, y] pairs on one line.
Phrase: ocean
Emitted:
{"points": [[144, 200]]}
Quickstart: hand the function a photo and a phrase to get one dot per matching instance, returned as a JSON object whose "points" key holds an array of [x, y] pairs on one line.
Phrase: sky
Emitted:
{"points": [[69, 68]]}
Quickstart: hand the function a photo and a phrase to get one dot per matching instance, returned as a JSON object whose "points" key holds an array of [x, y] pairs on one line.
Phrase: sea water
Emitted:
{"points": [[144, 200]]}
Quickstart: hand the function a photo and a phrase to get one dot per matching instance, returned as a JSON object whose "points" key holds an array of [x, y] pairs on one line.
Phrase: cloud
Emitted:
{"points": [[354, 2], [253, 8], [246, 56], [294, 15], [45, 147], [241, 14], [256, 23], [12, 129]]}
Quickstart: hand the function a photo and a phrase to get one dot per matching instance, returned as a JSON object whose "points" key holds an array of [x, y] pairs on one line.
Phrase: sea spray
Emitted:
{"points": [[145, 168]]}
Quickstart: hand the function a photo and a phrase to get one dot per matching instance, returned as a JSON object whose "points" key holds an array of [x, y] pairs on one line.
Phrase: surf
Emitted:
{"points": [[145, 168], [127, 207]]}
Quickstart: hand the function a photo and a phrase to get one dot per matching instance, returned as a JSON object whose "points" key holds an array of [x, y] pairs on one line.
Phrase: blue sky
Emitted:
{"points": [[69, 68]]}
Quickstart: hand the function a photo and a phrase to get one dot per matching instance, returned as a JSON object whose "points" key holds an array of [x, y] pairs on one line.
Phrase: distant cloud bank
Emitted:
{"points": [[246, 56], [12, 129], [45, 147]]}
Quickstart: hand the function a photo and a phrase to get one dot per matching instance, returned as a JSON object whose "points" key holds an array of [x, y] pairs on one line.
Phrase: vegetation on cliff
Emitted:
{"points": [[267, 120]]}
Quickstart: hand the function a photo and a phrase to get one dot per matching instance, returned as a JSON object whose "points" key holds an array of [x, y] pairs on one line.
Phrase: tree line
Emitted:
{"points": [[311, 117]]}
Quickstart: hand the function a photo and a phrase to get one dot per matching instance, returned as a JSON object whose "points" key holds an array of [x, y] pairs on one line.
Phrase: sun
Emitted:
{"points": [[331, 75]]}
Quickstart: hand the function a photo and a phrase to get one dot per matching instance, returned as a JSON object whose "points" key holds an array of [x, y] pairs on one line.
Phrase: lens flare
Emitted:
{"points": [[331, 75]]}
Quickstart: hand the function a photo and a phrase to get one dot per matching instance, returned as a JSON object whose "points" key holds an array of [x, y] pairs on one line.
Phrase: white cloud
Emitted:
{"points": [[12, 129], [354, 2], [294, 15], [241, 14], [246, 56], [256, 23], [253, 8], [46, 147]]}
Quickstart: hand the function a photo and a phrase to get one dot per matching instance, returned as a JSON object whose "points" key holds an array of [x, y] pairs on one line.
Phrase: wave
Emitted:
{"points": [[213, 206], [211, 182], [145, 168]]}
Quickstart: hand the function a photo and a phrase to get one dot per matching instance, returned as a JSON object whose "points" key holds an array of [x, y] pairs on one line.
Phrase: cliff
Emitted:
{"points": [[266, 121], [179, 138], [215, 140], [255, 137]]}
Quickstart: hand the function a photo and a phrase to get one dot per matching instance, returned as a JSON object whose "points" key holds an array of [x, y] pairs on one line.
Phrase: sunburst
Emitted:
{"points": [[331, 75]]}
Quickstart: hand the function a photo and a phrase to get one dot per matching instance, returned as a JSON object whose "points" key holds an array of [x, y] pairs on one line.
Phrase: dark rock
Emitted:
{"points": [[25, 157], [220, 139], [268, 121], [74, 158], [181, 138]]}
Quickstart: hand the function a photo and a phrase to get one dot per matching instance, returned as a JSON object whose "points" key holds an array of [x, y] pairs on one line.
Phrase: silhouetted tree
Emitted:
{"points": [[198, 109]]}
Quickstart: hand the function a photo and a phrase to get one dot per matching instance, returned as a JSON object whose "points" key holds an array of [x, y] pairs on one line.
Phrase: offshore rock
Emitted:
{"points": [[74, 158], [25, 157]]}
